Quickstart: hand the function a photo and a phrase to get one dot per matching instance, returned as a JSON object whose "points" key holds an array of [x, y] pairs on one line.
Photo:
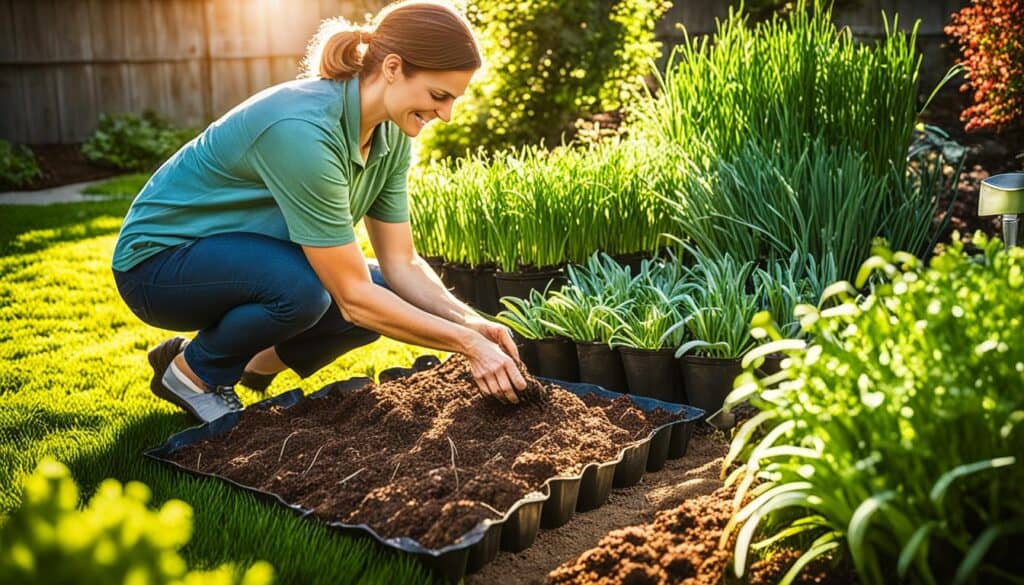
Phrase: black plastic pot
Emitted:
{"points": [[632, 260], [436, 264], [772, 364], [556, 358], [708, 380], [527, 353], [601, 365], [519, 284], [487, 290], [653, 373], [461, 280]]}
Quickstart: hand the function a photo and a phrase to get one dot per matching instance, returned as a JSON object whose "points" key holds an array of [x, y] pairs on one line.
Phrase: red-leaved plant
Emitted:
{"points": [[991, 37]]}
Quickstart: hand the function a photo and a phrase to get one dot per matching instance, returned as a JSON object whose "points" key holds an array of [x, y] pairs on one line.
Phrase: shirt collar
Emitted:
{"points": [[379, 145]]}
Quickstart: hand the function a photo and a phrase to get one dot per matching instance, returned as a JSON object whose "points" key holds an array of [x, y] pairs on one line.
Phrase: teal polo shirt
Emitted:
{"points": [[285, 163]]}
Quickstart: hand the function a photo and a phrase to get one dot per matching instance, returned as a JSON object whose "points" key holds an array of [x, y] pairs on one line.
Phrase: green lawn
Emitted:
{"points": [[74, 384]]}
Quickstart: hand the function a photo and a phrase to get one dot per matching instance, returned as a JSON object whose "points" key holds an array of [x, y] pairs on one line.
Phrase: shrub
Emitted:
{"points": [[991, 38], [18, 166], [115, 538], [547, 63], [894, 439], [134, 143]]}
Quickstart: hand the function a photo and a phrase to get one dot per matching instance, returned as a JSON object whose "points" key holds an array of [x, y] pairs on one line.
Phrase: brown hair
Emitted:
{"points": [[426, 34]]}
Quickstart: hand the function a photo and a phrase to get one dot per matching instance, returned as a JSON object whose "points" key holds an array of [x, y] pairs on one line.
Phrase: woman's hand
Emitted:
{"points": [[497, 333], [495, 371]]}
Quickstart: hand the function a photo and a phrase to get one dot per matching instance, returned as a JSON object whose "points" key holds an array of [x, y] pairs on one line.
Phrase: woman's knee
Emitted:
{"points": [[302, 300]]}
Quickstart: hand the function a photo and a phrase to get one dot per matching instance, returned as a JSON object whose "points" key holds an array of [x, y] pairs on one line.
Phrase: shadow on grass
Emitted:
{"points": [[25, 229], [231, 525]]}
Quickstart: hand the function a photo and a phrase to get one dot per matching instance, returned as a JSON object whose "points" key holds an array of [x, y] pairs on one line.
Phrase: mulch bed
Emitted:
{"points": [[988, 153], [426, 456], [64, 164], [681, 547]]}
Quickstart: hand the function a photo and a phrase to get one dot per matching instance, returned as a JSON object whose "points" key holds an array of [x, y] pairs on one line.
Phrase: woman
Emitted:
{"points": [[246, 233]]}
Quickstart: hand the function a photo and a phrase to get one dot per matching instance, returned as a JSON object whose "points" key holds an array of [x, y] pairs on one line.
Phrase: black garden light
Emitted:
{"points": [[1003, 194]]}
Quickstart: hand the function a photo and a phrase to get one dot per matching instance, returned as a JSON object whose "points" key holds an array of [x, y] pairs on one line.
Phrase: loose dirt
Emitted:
{"points": [[681, 546], [425, 456]]}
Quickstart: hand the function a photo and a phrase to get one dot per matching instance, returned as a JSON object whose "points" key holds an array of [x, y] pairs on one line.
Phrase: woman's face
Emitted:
{"points": [[414, 101]]}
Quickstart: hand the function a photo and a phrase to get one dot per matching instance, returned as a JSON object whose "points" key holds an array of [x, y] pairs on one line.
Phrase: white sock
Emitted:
{"points": [[183, 379]]}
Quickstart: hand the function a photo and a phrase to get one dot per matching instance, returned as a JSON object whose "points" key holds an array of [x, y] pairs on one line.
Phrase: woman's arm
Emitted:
{"points": [[413, 280], [343, 271]]}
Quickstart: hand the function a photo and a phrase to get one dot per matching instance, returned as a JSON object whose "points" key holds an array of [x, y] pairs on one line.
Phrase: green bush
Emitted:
{"points": [[134, 143], [115, 538], [893, 439], [547, 63], [18, 166]]}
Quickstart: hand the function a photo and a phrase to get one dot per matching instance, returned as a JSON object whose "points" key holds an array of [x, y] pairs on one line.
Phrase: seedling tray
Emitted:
{"points": [[550, 507]]}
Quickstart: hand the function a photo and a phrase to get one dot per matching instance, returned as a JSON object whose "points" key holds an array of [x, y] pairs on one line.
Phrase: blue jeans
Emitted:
{"points": [[244, 293]]}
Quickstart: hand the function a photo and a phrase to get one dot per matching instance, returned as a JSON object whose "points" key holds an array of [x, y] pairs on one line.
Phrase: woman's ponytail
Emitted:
{"points": [[337, 50]]}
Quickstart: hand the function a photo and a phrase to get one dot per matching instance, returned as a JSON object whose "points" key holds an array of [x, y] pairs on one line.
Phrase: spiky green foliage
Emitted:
{"points": [[893, 439]]}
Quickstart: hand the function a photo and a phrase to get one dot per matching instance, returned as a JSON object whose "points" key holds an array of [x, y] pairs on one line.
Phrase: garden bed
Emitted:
{"points": [[681, 546], [427, 464], [64, 164]]}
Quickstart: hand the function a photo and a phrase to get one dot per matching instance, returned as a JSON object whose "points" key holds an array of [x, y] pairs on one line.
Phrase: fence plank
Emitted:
{"points": [[283, 69], [224, 21], [112, 88], [12, 119], [106, 18], [8, 49], [304, 18], [230, 84], [140, 30], [39, 104], [34, 37], [150, 86], [71, 25], [259, 75], [78, 111], [186, 100]]}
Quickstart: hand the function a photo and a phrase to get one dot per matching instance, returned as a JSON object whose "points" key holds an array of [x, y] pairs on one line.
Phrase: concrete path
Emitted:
{"points": [[64, 194]]}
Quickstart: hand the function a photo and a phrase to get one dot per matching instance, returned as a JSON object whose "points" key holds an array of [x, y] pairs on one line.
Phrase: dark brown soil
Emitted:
{"points": [[988, 153], [681, 546], [64, 164], [425, 456]]}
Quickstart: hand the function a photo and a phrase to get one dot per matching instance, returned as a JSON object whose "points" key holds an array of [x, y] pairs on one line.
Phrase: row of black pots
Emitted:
{"points": [[482, 286], [698, 381]]}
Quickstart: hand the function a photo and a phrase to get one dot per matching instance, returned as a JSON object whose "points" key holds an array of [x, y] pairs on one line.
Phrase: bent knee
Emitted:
{"points": [[303, 302]]}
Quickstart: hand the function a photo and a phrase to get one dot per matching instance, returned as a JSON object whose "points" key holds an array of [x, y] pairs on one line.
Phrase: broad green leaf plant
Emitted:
{"points": [[893, 437]]}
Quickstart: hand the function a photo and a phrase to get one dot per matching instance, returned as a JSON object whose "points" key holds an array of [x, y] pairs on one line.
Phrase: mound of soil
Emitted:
{"points": [[681, 546], [424, 456]]}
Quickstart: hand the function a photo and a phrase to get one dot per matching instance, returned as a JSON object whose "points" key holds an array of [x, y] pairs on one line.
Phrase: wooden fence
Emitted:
{"points": [[63, 62]]}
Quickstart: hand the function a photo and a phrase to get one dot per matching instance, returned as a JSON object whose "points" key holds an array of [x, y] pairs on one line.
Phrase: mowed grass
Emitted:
{"points": [[74, 384]]}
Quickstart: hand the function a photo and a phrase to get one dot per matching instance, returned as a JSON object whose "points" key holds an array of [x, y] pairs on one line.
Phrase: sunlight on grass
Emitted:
{"points": [[74, 384], [128, 185]]}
